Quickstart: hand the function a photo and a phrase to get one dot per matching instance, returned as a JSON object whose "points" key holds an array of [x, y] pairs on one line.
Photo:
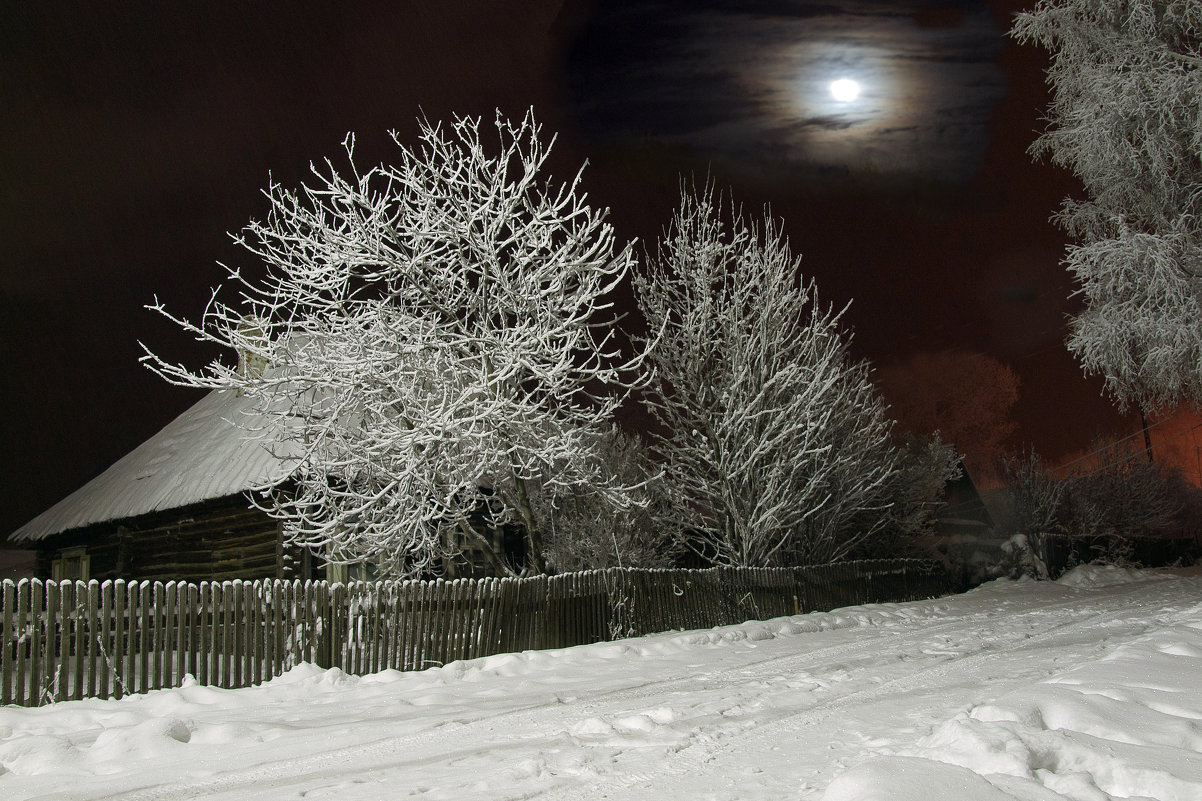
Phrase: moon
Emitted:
{"points": [[845, 90]]}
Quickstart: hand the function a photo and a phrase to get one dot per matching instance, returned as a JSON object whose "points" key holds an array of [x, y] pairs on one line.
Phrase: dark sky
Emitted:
{"points": [[135, 135]]}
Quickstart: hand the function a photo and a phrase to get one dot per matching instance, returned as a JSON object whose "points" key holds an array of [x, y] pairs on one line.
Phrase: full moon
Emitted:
{"points": [[845, 90]]}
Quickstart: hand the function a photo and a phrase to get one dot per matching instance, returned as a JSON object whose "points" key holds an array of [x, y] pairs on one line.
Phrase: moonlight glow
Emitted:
{"points": [[845, 90]]}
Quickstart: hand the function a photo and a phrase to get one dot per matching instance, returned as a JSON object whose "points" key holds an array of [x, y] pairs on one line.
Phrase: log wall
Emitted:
{"points": [[220, 540]]}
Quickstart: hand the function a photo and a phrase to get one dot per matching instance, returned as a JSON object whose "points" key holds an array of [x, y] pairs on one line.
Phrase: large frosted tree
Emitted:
{"points": [[774, 445], [437, 343], [1126, 118]]}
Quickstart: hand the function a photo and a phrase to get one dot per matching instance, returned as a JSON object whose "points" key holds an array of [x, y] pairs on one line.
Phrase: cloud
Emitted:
{"points": [[738, 80]]}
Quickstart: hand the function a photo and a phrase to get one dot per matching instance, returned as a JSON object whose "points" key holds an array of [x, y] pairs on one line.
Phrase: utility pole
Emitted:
{"points": [[1143, 420]]}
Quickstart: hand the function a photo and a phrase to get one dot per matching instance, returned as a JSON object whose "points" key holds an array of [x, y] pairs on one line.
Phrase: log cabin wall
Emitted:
{"points": [[221, 540], [217, 540]]}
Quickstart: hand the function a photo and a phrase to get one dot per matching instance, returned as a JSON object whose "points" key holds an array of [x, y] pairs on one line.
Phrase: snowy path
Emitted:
{"points": [[869, 698]]}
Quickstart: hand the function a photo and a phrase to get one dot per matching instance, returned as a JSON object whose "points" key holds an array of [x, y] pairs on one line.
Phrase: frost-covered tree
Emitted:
{"points": [[1029, 509], [437, 342], [772, 440], [1126, 118], [925, 469], [1031, 498]]}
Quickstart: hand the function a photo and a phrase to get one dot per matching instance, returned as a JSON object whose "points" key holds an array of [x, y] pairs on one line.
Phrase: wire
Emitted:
{"points": [[1111, 444]]}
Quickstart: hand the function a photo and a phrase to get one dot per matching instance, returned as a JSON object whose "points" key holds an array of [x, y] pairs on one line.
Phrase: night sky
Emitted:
{"points": [[134, 136]]}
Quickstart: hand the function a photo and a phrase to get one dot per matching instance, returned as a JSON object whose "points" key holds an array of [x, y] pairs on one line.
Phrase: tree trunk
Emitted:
{"points": [[533, 535]]}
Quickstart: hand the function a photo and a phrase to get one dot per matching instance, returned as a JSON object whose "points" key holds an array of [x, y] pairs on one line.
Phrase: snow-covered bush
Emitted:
{"points": [[436, 342], [1095, 513], [1019, 560], [1122, 494]]}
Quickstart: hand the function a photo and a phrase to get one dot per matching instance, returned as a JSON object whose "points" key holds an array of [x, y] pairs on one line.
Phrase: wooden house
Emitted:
{"points": [[173, 508], [965, 512], [177, 508], [966, 537]]}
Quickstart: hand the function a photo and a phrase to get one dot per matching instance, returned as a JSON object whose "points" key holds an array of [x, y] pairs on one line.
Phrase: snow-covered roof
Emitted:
{"points": [[207, 452]]}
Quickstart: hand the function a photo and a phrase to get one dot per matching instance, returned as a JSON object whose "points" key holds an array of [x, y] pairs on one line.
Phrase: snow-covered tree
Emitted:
{"points": [[1030, 499], [1028, 510], [1126, 118], [772, 439], [926, 468], [437, 342]]}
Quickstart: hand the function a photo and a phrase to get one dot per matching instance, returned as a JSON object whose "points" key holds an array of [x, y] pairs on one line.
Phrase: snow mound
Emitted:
{"points": [[114, 748], [910, 779], [1126, 726], [1092, 576]]}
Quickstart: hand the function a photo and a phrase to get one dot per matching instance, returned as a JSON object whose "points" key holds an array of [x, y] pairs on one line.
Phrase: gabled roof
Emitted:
{"points": [[964, 503], [207, 452]]}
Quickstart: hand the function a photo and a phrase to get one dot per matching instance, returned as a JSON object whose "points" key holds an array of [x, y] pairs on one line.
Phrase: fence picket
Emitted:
{"points": [[384, 625], [99, 611], [414, 601], [183, 617], [234, 624], [89, 641], [158, 635], [55, 639], [420, 626], [66, 640], [10, 644], [369, 612], [142, 672], [438, 610], [25, 607]]}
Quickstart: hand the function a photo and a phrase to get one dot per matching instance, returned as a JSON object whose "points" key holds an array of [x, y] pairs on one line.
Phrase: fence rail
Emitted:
{"points": [[70, 640]]}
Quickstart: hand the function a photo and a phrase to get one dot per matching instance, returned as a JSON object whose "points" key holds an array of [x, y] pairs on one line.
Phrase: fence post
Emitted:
{"points": [[54, 636]]}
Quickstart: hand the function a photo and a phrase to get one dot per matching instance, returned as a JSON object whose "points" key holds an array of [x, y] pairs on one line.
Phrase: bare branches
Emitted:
{"points": [[773, 439], [438, 334]]}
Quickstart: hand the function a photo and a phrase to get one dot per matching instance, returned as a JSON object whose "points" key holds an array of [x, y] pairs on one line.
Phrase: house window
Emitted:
{"points": [[72, 564], [355, 571]]}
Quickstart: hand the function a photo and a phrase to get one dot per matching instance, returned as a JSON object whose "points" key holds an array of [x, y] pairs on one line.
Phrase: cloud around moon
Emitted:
{"points": [[747, 84]]}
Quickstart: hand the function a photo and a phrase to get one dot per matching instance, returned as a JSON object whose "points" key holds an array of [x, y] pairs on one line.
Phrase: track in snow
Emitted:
{"points": [[762, 710]]}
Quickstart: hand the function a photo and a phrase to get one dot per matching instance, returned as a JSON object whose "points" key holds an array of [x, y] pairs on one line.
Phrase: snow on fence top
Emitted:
{"points": [[71, 640], [204, 453]]}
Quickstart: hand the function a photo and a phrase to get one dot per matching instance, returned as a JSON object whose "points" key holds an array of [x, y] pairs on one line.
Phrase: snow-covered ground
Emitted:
{"points": [[1088, 689]]}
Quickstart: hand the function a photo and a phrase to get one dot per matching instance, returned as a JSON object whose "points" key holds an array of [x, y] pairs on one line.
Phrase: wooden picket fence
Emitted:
{"points": [[72, 640]]}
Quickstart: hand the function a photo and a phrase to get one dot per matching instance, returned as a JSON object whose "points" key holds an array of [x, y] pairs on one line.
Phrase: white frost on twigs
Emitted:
{"points": [[773, 442], [439, 337]]}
